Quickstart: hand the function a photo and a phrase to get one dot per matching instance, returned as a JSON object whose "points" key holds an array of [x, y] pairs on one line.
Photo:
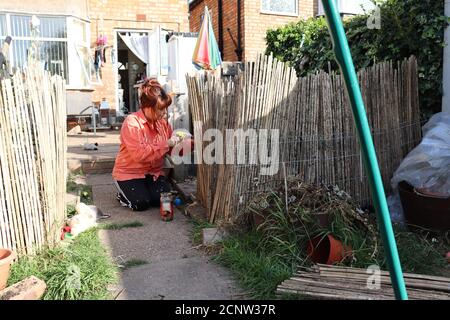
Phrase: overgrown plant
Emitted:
{"points": [[80, 271], [408, 27], [264, 257]]}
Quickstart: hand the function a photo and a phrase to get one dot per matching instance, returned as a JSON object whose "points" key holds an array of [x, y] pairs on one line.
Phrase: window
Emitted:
{"points": [[50, 42], [82, 70], [3, 32], [284, 7], [57, 41], [2, 26]]}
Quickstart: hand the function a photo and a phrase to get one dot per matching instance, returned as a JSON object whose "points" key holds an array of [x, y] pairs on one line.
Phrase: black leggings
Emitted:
{"points": [[141, 194]]}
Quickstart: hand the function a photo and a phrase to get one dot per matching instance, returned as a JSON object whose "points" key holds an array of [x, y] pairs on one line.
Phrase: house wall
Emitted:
{"points": [[229, 19], [257, 23], [76, 8], [119, 14], [254, 24]]}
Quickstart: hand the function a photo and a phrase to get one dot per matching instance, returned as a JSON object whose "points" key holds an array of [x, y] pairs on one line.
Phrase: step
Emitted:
{"points": [[97, 166]]}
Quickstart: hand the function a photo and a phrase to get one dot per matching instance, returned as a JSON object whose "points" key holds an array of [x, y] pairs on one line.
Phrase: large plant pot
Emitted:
{"points": [[6, 258], [327, 250], [431, 211]]}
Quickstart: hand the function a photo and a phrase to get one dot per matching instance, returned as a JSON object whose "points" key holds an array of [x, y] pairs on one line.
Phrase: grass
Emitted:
{"points": [[133, 263], [420, 252], [85, 191], [86, 194], [118, 226], [70, 210], [197, 226], [257, 270], [81, 270], [262, 258]]}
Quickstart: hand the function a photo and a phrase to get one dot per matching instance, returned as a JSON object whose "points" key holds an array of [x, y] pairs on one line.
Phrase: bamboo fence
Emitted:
{"points": [[317, 139], [345, 283], [32, 160]]}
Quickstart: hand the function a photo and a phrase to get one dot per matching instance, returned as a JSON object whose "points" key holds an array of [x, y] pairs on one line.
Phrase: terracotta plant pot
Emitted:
{"points": [[259, 218], [6, 258], [327, 250]]}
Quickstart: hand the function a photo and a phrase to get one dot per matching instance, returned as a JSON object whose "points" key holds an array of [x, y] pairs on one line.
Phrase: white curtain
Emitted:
{"points": [[138, 44]]}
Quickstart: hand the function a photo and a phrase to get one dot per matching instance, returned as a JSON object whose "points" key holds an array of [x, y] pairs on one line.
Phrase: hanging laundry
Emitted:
{"points": [[97, 59], [104, 55], [100, 52]]}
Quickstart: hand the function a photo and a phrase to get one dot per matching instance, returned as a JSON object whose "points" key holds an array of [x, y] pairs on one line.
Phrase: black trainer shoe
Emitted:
{"points": [[121, 200]]}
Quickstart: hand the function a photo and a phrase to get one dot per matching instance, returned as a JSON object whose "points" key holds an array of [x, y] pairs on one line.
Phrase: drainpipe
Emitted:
{"points": [[446, 67], [220, 26], [239, 48]]}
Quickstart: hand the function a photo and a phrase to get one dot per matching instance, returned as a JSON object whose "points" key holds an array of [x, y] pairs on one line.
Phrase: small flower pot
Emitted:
{"points": [[327, 250], [6, 258]]}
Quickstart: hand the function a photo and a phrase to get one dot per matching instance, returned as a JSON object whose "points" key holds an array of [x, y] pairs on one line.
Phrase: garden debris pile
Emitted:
{"points": [[294, 213], [311, 210]]}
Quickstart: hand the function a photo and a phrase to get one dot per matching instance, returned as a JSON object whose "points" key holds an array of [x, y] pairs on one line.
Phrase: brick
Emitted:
{"points": [[31, 288]]}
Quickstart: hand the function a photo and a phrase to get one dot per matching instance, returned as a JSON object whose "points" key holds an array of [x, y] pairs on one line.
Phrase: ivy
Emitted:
{"points": [[408, 27]]}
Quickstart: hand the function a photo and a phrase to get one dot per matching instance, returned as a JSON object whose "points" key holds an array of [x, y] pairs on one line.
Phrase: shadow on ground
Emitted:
{"points": [[175, 270]]}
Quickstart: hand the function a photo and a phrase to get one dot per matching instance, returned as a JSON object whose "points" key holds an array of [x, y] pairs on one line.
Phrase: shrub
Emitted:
{"points": [[408, 27]]}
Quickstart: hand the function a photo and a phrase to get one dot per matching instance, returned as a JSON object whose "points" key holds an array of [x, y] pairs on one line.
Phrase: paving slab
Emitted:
{"points": [[155, 241], [176, 269], [194, 278], [101, 159]]}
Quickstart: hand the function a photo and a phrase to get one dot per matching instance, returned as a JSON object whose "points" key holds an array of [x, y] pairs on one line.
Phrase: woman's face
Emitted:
{"points": [[155, 114]]}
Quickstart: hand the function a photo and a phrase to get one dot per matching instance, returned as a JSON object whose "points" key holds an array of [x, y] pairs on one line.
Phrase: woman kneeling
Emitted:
{"points": [[145, 138]]}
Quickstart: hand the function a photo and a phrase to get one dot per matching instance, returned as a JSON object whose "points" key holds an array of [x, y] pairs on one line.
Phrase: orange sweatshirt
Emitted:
{"points": [[142, 148]]}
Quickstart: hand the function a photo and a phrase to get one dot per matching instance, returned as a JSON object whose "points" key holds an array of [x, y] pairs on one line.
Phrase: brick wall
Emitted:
{"points": [[54, 7], [254, 24], [257, 23], [229, 18], [119, 14]]}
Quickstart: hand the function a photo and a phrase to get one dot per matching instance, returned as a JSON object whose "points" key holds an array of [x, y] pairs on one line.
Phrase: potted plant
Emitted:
{"points": [[6, 258]]}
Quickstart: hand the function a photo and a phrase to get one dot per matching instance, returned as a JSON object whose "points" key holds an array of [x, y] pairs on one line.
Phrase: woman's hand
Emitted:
{"points": [[173, 141]]}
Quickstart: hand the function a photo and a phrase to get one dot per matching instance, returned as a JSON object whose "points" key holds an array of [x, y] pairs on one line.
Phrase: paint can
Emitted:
{"points": [[166, 206]]}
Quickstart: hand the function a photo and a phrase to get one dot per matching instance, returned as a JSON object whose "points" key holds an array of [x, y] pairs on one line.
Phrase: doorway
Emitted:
{"points": [[132, 62]]}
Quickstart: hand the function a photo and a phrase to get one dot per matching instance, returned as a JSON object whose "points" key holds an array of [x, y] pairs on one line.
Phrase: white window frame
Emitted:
{"points": [[73, 58], [43, 39], [278, 13], [74, 55]]}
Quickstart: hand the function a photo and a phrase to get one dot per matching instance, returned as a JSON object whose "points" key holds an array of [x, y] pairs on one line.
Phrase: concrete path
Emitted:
{"points": [[95, 161], [175, 269]]}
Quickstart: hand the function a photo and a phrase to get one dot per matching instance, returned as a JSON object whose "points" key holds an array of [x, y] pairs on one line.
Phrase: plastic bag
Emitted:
{"points": [[428, 165]]}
